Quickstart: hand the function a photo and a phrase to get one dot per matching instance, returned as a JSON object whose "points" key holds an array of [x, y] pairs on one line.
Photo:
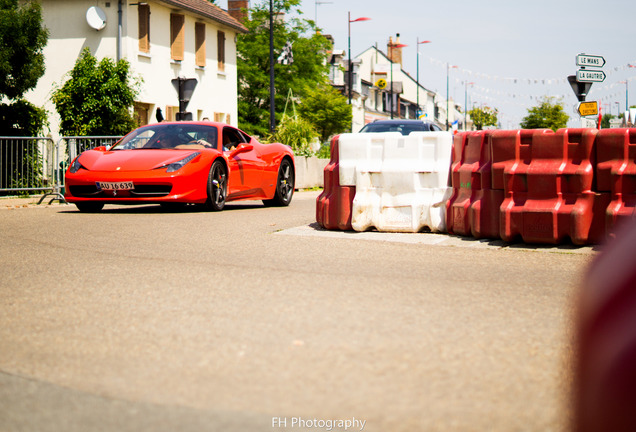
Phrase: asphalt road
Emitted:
{"points": [[253, 319]]}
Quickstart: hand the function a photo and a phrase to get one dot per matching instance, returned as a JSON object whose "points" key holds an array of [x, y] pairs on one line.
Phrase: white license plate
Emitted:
{"points": [[126, 185]]}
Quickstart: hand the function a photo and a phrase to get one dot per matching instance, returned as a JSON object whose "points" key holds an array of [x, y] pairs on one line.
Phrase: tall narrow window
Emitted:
{"points": [[176, 36], [199, 40], [221, 50], [144, 27]]}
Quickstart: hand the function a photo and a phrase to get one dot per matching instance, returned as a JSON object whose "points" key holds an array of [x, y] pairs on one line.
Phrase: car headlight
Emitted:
{"points": [[175, 166], [75, 166]]}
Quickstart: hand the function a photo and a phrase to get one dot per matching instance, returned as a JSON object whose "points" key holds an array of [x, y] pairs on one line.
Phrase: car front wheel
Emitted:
{"points": [[217, 186]]}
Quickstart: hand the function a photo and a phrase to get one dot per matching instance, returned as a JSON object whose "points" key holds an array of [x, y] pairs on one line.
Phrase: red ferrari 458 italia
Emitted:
{"points": [[179, 163]]}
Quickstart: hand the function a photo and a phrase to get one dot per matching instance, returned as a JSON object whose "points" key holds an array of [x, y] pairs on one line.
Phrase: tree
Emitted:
{"points": [[327, 109], [97, 99], [549, 114], [483, 117], [605, 121], [22, 40], [309, 67], [21, 118]]}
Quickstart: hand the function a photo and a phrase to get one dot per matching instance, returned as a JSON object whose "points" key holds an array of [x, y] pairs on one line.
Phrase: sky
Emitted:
{"points": [[508, 54]]}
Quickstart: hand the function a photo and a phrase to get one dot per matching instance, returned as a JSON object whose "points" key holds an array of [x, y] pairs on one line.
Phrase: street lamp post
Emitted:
{"points": [[391, 46], [418, 71], [626, 102], [272, 90], [466, 103], [350, 71], [448, 68], [316, 3]]}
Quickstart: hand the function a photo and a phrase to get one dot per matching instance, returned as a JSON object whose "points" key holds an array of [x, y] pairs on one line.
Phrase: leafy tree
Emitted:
{"points": [[97, 99], [549, 114], [605, 121], [309, 67], [21, 118], [22, 40], [327, 110], [483, 117]]}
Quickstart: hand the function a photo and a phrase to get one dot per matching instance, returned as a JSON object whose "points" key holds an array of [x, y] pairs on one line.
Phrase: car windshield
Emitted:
{"points": [[169, 136], [403, 128]]}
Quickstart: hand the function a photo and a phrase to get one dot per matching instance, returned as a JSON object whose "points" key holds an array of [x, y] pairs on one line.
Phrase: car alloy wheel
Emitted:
{"points": [[217, 186], [284, 185]]}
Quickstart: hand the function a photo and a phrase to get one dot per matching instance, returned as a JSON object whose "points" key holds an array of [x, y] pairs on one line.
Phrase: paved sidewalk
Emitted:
{"points": [[30, 201]]}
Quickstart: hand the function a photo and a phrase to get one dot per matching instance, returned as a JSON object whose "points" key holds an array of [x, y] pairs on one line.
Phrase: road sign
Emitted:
{"points": [[581, 89], [588, 108], [381, 83], [589, 60], [588, 75]]}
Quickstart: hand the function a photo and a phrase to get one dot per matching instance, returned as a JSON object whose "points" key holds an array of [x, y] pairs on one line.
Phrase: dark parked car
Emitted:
{"points": [[403, 126]]}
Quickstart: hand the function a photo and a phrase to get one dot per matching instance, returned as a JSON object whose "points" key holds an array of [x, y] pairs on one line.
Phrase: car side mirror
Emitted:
{"points": [[242, 148], [101, 148]]}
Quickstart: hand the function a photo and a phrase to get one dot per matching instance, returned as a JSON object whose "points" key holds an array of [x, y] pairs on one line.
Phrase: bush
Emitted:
{"points": [[296, 133], [97, 99]]}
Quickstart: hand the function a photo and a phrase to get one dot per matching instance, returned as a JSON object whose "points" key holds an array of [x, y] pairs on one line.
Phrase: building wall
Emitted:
{"points": [[215, 96], [374, 65]]}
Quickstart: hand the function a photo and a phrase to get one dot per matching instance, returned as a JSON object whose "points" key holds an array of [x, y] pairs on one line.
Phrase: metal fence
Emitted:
{"points": [[37, 164]]}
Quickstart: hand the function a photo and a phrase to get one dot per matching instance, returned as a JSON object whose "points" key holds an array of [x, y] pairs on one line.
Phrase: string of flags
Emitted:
{"points": [[530, 81], [286, 56], [518, 91]]}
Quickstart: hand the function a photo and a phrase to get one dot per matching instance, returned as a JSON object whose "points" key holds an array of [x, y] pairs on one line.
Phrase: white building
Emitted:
{"points": [[376, 76], [161, 39]]}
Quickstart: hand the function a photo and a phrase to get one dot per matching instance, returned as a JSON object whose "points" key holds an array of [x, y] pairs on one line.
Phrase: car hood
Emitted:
{"points": [[130, 160]]}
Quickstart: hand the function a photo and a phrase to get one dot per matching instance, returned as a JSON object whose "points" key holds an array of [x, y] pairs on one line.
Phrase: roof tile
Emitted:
{"points": [[208, 10]]}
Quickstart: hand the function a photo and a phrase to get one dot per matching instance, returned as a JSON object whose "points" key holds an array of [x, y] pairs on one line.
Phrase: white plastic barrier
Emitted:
{"points": [[401, 181]]}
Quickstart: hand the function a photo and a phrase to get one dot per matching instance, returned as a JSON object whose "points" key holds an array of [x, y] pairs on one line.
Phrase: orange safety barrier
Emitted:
{"points": [[605, 377], [548, 180], [474, 206], [616, 173], [333, 205]]}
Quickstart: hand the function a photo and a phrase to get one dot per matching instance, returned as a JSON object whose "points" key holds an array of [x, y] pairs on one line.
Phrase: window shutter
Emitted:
{"points": [[176, 36], [144, 28], [221, 50], [199, 36]]}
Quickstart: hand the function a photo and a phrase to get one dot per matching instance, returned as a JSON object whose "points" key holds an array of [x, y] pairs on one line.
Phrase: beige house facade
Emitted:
{"points": [[162, 40]]}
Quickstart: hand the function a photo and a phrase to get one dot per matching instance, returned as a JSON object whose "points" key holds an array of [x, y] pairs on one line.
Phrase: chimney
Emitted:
{"points": [[395, 53], [237, 9]]}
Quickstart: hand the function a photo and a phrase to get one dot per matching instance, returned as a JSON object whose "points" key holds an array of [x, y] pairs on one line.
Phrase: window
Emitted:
{"points": [[171, 113], [142, 113], [143, 12], [176, 36], [199, 40], [221, 50], [232, 138]]}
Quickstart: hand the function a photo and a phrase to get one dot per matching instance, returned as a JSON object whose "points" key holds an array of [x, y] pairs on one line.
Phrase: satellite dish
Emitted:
{"points": [[96, 18]]}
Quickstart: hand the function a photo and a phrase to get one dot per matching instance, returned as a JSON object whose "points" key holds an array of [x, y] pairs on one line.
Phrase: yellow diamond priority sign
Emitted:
{"points": [[381, 83], [588, 108]]}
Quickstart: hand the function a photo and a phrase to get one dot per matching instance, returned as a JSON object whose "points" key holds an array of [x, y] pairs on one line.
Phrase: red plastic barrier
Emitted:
{"points": [[474, 206], [511, 154], [333, 205], [548, 186], [605, 373], [616, 173]]}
